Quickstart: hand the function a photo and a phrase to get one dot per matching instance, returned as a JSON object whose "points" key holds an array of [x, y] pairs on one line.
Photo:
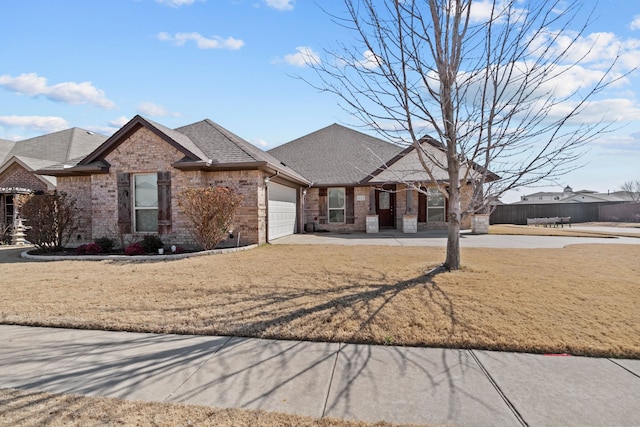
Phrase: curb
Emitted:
{"points": [[168, 257]]}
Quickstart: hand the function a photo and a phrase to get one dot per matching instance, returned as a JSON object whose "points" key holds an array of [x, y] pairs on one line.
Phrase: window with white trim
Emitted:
{"points": [[435, 205], [145, 202], [336, 205]]}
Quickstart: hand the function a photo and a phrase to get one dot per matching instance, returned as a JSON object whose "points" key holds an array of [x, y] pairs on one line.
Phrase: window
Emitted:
{"points": [[336, 205], [435, 205], [145, 206]]}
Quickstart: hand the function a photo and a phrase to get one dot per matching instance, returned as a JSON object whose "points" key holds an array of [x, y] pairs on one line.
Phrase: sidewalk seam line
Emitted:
{"points": [[498, 389], [166, 399], [333, 371], [626, 369]]}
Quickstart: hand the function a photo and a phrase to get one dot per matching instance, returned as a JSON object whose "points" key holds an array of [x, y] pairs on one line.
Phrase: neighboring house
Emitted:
{"points": [[130, 184], [20, 159], [569, 196], [356, 176]]}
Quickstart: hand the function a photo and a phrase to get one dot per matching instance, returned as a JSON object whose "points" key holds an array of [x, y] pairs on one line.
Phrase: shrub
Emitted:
{"points": [[105, 243], [134, 249], [50, 218], [151, 243], [92, 248], [210, 211]]}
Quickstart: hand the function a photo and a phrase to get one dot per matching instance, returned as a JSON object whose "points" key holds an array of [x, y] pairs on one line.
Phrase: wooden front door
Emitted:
{"points": [[385, 204]]}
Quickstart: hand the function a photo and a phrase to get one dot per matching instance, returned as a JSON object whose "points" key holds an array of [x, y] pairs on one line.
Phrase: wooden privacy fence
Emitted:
{"points": [[625, 212], [518, 214]]}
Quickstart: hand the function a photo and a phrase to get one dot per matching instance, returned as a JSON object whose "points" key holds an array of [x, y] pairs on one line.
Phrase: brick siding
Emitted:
{"points": [[18, 177], [312, 212], [145, 152]]}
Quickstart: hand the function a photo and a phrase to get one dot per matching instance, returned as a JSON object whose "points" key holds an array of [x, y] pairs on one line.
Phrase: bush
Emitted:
{"points": [[134, 249], [50, 218], [210, 211], [89, 249], [151, 243], [105, 243]]}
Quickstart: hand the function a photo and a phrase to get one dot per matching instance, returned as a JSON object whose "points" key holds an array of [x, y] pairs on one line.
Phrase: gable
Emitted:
{"points": [[406, 167], [179, 141], [143, 151], [15, 174]]}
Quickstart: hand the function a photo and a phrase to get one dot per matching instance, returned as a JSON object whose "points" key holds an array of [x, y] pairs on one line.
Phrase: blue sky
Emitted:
{"points": [[95, 64]]}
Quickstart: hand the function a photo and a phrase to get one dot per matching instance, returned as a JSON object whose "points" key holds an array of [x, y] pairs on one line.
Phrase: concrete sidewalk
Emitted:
{"points": [[439, 239], [369, 383]]}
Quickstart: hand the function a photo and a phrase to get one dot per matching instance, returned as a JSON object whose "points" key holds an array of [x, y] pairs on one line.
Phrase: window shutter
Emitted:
{"points": [[349, 196], [322, 202], [164, 202], [124, 203], [422, 207]]}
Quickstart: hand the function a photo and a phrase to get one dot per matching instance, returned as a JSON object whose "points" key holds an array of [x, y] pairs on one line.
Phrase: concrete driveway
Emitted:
{"points": [[467, 240]]}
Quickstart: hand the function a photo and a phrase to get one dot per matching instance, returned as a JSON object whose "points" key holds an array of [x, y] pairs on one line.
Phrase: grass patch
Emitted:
{"points": [[581, 300], [32, 408], [531, 230]]}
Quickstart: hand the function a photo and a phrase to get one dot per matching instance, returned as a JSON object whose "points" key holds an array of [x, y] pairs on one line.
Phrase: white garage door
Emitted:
{"points": [[282, 210]]}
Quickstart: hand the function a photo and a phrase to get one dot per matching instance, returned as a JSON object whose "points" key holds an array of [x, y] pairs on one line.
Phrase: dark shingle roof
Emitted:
{"points": [[57, 147], [336, 155], [5, 149], [224, 147], [205, 145]]}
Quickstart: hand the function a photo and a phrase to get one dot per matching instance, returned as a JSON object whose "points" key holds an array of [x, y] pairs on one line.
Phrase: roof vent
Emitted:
{"points": [[90, 133]]}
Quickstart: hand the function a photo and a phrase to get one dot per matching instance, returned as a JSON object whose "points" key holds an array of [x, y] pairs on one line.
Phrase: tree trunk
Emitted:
{"points": [[452, 261]]}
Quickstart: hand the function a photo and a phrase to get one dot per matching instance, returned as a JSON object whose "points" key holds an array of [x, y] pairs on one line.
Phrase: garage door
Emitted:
{"points": [[282, 210]]}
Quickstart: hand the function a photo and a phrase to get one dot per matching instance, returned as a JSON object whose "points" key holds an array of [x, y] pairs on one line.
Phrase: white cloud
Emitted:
{"points": [[370, 61], [45, 124], [260, 143], [179, 39], [68, 92], [303, 57], [280, 4], [482, 10], [176, 3], [119, 122], [154, 110], [635, 24], [607, 110]]}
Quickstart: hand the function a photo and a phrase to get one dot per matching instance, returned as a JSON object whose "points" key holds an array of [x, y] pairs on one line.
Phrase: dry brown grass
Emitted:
{"points": [[581, 299], [32, 408], [531, 230]]}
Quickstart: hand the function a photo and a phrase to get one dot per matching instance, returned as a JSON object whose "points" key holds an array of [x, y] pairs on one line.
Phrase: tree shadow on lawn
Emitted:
{"points": [[342, 313]]}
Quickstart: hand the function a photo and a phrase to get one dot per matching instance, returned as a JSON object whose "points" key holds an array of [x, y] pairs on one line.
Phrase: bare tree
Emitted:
{"points": [[499, 84], [632, 188]]}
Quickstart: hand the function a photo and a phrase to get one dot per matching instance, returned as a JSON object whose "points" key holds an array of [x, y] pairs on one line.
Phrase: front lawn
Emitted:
{"points": [[581, 300]]}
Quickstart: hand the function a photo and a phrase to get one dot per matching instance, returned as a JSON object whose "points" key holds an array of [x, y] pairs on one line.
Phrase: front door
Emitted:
{"points": [[385, 202]]}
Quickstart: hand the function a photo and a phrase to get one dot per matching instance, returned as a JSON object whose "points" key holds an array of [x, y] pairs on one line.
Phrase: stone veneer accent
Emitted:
{"points": [[145, 152]]}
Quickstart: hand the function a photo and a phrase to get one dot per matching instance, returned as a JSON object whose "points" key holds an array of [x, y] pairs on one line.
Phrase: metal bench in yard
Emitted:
{"points": [[550, 221]]}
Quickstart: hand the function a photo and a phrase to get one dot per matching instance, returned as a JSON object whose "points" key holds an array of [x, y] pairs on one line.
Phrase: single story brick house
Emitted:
{"points": [[130, 183], [356, 178], [19, 161]]}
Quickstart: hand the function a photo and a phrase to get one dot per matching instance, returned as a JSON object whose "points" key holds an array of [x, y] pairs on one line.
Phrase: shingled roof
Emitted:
{"points": [[336, 155], [205, 145], [55, 147], [223, 148]]}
